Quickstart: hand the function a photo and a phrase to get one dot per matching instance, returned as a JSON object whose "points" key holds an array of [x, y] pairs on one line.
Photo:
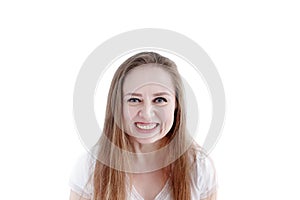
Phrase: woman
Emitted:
{"points": [[145, 151]]}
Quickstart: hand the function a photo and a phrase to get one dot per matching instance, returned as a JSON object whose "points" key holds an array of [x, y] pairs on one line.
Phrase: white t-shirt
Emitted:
{"points": [[202, 185]]}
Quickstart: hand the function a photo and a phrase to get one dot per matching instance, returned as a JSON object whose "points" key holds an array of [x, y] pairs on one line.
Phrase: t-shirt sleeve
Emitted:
{"points": [[206, 176], [80, 180]]}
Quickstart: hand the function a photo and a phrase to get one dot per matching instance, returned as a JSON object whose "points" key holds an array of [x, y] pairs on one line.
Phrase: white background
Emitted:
{"points": [[254, 44]]}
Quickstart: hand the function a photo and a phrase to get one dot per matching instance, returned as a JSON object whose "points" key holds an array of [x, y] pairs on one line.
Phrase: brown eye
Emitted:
{"points": [[160, 100]]}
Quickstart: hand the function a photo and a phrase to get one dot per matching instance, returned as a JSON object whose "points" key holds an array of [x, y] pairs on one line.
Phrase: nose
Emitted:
{"points": [[147, 111]]}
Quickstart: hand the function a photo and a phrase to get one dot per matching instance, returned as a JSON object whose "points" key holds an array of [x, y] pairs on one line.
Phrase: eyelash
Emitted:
{"points": [[160, 98], [135, 100]]}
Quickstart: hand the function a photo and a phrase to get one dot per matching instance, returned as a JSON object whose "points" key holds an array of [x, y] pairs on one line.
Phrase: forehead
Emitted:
{"points": [[148, 75]]}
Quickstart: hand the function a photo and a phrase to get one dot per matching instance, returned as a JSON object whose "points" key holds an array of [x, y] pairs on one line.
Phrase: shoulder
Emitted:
{"points": [[203, 176], [81, 176]]}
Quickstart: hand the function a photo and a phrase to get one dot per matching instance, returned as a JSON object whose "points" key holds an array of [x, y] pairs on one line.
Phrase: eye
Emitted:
{"points": [[134, 100], [160, 100]]}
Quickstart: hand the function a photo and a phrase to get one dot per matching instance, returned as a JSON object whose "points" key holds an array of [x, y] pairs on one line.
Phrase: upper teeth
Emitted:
{"points": [[148, 126]]}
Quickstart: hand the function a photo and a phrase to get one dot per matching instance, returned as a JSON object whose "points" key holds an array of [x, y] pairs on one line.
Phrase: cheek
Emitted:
{"points": [[167, 114], [129, 113]]}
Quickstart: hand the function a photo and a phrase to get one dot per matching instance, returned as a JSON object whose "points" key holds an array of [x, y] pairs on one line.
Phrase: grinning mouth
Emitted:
{"points": [[146, 126]]}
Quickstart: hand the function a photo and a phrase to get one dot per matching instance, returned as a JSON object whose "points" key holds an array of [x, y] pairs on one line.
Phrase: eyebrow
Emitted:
{"points": [[162, 93], [133, 94], [156, 94]]}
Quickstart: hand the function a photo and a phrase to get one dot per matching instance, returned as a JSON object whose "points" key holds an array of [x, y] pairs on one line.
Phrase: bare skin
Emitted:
{"points": [[149, 185]]}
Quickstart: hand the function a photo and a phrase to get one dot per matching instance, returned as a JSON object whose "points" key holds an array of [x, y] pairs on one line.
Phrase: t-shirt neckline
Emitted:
{"points": [[160, 196]]}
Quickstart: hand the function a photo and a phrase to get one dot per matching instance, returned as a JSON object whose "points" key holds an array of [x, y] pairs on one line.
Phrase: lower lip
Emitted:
{"points": [[146, 130]]}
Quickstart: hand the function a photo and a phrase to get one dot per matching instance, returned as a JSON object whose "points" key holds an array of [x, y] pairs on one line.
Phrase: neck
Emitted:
{"points": [[147, 148], [147, 157]]}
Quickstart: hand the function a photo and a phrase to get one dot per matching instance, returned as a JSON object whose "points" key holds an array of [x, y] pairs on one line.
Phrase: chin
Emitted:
{"points": [[154, 140], [146, 140]]}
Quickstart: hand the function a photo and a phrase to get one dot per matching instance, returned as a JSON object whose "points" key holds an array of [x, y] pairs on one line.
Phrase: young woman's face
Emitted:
{"points": [[148, 103]]}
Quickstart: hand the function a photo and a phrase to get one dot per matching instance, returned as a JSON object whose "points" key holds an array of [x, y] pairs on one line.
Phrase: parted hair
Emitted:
{"points": [[110, 183]]}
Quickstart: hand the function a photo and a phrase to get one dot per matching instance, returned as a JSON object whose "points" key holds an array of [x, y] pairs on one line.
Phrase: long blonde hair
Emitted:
{"points": [[109, 182]]}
